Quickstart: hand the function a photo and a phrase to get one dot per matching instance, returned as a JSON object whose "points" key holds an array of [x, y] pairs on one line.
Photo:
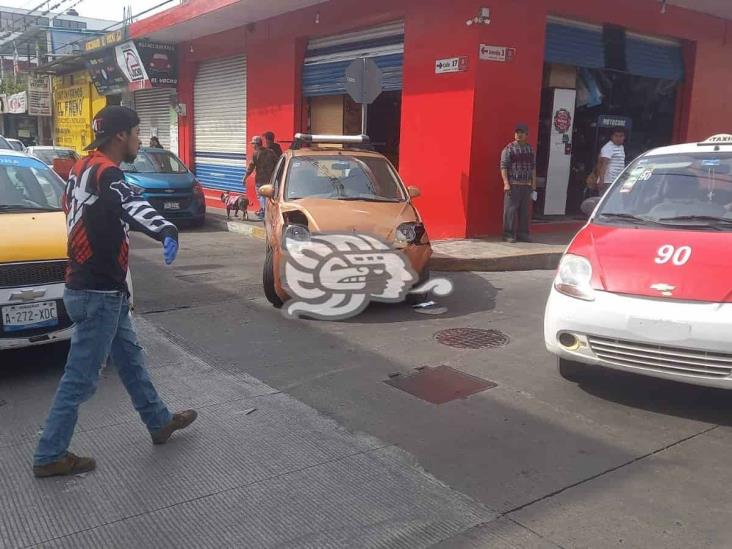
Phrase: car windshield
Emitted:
{"points": [[4, 144], [17, 145], [27, 184], [343, 178], [690, 191], [49, 155], [155, 162]]}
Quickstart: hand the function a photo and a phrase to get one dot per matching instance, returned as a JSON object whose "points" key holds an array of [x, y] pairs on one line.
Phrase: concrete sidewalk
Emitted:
{"points": [[258, 469], [454, 255]]}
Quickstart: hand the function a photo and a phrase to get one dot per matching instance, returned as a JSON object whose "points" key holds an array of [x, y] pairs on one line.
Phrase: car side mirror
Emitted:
{"points": [[267, 191], [414, 192], [589, 205]]}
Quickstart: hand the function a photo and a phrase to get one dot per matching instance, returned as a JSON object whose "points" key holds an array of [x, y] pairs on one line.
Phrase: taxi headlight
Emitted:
{"points": [[136, 188], [296, 233], [409, 233], [575, 278]]}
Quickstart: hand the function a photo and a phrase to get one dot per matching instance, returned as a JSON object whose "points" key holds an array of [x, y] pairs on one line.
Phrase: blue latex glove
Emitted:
{"points": [[170, 249]]}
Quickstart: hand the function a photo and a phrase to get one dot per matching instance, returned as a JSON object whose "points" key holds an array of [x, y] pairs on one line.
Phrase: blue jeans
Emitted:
{"points": [[103, 328]]}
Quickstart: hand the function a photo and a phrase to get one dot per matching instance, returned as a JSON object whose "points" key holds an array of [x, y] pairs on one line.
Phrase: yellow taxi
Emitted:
{"points": [[32, 253]]}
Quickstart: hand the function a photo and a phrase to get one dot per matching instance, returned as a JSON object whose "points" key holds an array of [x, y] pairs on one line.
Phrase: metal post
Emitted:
{"points": [[364, 118]]}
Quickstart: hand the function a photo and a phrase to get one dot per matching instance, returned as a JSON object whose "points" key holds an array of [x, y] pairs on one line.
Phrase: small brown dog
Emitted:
{"points": [[235, 202]]}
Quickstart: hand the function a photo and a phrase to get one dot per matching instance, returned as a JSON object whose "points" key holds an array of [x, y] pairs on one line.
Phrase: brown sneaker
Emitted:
{"points": [[181, 420], [70, 464]]}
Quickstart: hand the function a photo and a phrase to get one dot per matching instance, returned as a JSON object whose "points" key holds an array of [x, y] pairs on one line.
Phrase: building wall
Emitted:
{"points": [[75, 102], [455, 125]]}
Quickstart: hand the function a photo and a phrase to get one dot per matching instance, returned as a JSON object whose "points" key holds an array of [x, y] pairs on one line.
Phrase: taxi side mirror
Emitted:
{"points": [[267, 191], [589, 205], [414, 192]]}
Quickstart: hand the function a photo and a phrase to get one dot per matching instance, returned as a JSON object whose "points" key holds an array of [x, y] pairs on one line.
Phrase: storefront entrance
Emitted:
{"points": [[595, 79], [330, 110]]}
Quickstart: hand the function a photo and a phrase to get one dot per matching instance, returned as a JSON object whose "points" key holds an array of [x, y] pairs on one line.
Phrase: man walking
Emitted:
{"points": [[518, 170], [263, 163], [100, 207], [612, 160], [270, 143]]}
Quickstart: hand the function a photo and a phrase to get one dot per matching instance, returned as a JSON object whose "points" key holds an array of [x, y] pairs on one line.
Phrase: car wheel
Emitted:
{"points": [[268, 280], [572, 370]]}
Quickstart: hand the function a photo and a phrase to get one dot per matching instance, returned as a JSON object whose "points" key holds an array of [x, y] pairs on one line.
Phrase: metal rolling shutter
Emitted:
{"points": [[220, 123], [326, 59], [653, 57], [570, 43], [153, 108]]}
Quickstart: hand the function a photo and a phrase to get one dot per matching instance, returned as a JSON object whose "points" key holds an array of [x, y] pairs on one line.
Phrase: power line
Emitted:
{"points": [[110, 27]]}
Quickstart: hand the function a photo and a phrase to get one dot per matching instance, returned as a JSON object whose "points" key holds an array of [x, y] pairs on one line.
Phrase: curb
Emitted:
{"points": [[542, 261], [526, 262], [242, 227]]}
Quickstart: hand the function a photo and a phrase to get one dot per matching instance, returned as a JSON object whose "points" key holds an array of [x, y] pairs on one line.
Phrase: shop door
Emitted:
{"points": [[153, 107], [220, 118]]}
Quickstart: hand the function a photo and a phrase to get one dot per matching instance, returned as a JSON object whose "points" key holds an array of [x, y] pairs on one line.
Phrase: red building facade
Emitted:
{"points": [[453, 126]]}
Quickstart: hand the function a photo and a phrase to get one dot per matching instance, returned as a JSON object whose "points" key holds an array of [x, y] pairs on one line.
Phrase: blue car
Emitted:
{"points": [[168, 185]]}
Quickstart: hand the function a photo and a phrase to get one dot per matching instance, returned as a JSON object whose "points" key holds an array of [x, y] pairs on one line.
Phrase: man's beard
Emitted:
{"points": [[130, 157]]}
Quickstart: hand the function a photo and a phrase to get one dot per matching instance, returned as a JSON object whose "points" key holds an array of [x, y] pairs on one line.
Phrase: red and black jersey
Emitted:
{"points": [[100, 209]]}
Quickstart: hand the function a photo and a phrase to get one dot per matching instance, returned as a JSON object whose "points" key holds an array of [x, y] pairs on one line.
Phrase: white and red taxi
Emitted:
{"points": [[646, 285]]}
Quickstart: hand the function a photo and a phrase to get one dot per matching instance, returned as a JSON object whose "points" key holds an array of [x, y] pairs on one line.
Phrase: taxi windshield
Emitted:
{"points": [[690, 191], [343, 178], [155, 161], [27, 184]]}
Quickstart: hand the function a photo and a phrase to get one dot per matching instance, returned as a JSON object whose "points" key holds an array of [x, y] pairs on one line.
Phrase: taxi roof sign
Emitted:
{"points": [[719, 139]]}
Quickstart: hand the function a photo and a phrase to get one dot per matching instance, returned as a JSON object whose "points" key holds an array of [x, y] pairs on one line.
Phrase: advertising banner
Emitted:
{"points": [[160, 62], [106, 73], [39, 96], [129, 62], [560, 152], [17, 103]]}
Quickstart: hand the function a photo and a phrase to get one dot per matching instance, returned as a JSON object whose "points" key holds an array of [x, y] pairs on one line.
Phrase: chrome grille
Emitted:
{"points": [[672, 360], [35, 273]]}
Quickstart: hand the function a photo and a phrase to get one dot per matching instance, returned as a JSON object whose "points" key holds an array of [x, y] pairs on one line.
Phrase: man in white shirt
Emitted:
{"points": [[612, 160]]}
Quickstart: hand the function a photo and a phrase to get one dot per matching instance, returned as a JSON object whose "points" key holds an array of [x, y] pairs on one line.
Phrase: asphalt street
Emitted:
{"points": [[534, 461]]}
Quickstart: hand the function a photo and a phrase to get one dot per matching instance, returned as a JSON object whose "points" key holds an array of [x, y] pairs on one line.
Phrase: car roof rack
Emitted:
{"points": [[362, 142]]}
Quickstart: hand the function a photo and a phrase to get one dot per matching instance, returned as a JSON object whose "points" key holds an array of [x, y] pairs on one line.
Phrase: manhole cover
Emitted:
{"points": [[472, 338], [440, 385]]}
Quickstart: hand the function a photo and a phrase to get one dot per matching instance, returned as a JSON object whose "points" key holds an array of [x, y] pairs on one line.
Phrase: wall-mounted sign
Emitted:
{"points": [[451, 64], [39, 95], [133, 66], [17, 103], [129, 62], [160, 62], [103, 41], [501, 54]]}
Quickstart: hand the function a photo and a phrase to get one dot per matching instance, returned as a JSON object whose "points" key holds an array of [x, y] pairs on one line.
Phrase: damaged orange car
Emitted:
{"points": [[339, 184]]}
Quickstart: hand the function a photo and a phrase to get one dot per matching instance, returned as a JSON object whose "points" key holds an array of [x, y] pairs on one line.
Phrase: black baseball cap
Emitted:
{"points": [[521, 127], [110, 121]]}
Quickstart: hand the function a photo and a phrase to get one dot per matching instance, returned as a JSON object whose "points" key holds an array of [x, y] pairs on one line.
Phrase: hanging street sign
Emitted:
{"points": [[364, 81]]}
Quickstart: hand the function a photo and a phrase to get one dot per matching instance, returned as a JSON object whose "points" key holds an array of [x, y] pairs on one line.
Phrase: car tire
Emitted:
{"points": [[268, 280], [571, 370]]}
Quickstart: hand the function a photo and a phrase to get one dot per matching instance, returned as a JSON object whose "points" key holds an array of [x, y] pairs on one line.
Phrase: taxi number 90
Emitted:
{"points": [[678, 256]]}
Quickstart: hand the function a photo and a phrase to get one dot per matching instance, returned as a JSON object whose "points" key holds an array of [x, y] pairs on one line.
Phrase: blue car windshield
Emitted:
{"points": [[155, 162]]}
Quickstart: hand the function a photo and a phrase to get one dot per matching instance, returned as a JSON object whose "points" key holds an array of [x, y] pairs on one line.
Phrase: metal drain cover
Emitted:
{"points": [[472, 338], [440, 385]]}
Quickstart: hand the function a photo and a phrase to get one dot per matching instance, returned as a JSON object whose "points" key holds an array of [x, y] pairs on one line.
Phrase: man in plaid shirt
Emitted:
{"points": [[518, 170]]}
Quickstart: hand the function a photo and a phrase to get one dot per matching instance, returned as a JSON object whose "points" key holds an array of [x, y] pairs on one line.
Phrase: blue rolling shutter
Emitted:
{"points": [[326, 60], [654, 59], [579, 45]]}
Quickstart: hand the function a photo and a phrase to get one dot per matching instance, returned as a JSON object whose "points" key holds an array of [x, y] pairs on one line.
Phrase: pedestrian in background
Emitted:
{"points": [[518, 170], [155, 143], [612, 160], [100, 207], [263, 163], [270, 143]]}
